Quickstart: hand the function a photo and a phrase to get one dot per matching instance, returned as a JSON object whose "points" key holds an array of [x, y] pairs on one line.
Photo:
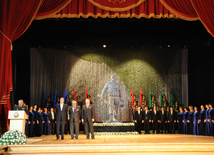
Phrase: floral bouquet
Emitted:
{"points": [[13, 137]]}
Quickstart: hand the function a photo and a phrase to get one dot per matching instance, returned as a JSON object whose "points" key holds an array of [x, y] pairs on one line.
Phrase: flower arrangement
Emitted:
{"points": [[114, 133], [113, 124], [13, 137]]}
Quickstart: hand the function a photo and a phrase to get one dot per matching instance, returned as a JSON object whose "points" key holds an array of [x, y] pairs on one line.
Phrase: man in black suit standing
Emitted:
{"points": [[146, 119], [74, 112], [138, 117], [88, 118], [61, 110], [155, 117], [163, 120], [172, 120]]}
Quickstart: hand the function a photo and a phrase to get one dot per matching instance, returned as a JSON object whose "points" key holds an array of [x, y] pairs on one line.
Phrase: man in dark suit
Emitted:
{"points": [[155, 117], [61, 110], [146, 119], [52, 116], [172, 120], [74, 112], [138, 117], [88, 118], [163, 120]]}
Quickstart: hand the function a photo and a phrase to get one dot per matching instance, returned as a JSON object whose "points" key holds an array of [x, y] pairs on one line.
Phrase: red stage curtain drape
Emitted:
{"points": [[15, 18], [85, 9], [51, 7], [181, 8], [205, 11]]}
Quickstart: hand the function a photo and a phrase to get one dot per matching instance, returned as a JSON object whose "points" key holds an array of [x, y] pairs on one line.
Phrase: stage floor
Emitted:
{"points": [[121, 144]]}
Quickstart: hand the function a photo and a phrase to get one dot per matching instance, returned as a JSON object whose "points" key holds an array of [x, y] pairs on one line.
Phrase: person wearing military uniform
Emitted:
{"points": [[176, 107]]}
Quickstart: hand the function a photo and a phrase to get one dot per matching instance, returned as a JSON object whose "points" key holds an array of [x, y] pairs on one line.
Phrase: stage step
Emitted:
{"points": [[111, 148]]}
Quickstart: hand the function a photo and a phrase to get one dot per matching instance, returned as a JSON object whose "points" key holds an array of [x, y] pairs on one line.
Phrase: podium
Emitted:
{"points": [[17, 120]]}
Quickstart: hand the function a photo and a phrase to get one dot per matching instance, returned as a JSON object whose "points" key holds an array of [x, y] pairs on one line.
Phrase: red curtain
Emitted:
{"points": [[205, 11], [181, 8], [15, 18], [51, 7], [85, 9]]}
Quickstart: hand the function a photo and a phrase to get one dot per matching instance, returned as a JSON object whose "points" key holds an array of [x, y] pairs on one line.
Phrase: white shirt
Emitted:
{"points": [[155, 112], [138, 112], [68, 116], [52, 113], [61, 106], [162, 112], [146, 112]]}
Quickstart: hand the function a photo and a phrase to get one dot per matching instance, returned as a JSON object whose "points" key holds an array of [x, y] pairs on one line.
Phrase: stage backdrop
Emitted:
{"points": [[84, 67]]}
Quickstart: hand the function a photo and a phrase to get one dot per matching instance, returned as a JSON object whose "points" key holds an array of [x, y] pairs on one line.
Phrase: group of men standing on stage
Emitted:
{"points": [[169, 119], [64, 117]]}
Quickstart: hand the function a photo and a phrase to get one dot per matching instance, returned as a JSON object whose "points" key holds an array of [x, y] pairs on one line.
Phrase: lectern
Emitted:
{"points": [[17, 120]]}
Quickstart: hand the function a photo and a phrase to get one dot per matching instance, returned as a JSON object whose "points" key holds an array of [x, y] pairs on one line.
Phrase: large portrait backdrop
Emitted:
{"points": [[86, 67]]}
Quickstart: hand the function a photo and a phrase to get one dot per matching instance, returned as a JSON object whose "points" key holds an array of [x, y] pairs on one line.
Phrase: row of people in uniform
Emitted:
{"points": [[61, 119], [186, 121]]}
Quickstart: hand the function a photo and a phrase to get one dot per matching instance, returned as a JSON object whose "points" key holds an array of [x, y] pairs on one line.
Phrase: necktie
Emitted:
{"points": [[74, 109]]}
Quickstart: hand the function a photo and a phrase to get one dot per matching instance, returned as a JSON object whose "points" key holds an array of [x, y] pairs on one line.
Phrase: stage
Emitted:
{"points": [[138, 144]]}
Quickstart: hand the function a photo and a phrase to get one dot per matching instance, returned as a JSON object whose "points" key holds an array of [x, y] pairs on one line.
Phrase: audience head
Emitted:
{"points": [[155, 107], [52, 109], [146, 108], [195, 109]]}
